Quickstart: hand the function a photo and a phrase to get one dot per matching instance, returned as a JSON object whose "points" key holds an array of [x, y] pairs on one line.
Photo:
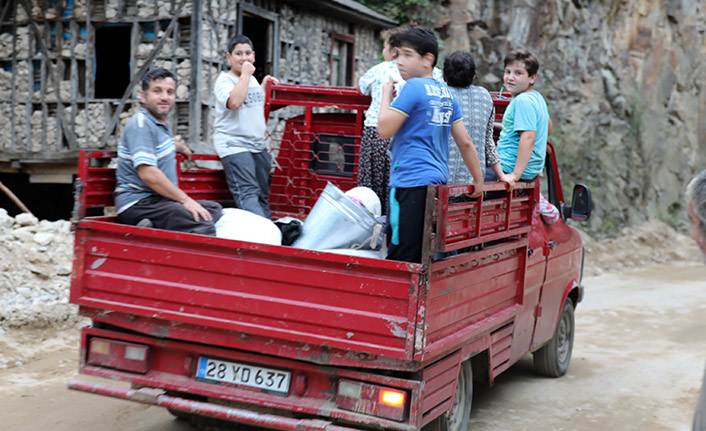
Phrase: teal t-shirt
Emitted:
{"points": [[527, 111]]}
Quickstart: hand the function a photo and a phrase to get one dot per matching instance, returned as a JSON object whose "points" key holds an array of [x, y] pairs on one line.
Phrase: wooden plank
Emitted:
{"points": [[73, 74], [135, 37], [195, 109], [90, 42], [138, 75], [70, 137], [60, 66], [28, 100], [13, 88], [88, 90], [6, 11], [43, 88]]}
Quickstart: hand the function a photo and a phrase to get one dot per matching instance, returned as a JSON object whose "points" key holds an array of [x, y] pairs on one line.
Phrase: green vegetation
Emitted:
{"points": [[673, 217], [403, 11]]}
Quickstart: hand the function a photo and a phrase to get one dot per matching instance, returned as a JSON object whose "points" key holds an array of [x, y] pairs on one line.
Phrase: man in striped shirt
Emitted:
{"points": [[147, 192]]}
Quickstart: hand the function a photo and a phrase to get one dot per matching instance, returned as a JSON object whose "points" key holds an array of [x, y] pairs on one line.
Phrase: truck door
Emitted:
{"points": [[534, 278], [563, 256]]}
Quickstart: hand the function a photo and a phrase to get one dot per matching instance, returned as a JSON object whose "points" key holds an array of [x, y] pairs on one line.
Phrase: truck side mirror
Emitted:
{"points": [[581, 204]]}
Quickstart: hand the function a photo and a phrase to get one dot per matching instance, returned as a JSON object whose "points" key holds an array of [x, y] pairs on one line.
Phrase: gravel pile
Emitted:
{"points": [[35, 272]]}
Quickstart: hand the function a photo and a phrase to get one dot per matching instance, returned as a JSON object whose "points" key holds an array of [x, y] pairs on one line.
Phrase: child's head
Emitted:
{"points": [[520, 71], [459, 69], [240, 49], [417, 50], [389, 53]]}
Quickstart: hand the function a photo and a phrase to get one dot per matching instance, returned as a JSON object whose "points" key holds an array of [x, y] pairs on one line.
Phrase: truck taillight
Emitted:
{"points": [[392, 398], [372, 399], [118, 354]]}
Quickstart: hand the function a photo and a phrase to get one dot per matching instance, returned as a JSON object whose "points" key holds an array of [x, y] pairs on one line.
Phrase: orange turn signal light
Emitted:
{"points": [[392, 398]]}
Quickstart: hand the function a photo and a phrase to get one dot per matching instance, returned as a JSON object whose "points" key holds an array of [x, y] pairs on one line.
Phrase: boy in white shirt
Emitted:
{"points": [[240, 128]]}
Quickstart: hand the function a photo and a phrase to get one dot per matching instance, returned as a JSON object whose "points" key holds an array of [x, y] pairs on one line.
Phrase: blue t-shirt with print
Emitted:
{"points": [[420, 148], [526, 111]]}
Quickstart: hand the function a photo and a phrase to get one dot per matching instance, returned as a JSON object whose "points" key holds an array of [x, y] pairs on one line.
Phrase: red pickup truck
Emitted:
{"points": [[284, 338]]}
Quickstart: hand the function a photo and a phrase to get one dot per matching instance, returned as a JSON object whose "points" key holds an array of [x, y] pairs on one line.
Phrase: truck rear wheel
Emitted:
{"points": [[459, 417], [553, 359]]}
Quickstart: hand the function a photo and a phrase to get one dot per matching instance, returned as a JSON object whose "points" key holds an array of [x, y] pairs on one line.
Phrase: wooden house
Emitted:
{"points": [[69, 69]]}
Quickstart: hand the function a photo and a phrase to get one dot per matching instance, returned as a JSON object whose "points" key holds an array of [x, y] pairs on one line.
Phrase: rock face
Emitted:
{"points": [[623, 81]]}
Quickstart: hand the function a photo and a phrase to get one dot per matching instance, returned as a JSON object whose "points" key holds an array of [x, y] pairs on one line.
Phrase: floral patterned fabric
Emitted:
{"points": [[374, 164]]}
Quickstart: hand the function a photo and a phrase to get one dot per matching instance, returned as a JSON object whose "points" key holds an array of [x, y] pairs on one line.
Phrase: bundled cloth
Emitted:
{"points": [[243, 225], [550, 214]]}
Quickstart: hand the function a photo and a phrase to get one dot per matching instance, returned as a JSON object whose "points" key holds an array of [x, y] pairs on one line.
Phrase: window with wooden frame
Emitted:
{"points": [[342, 60], [262, 27]]}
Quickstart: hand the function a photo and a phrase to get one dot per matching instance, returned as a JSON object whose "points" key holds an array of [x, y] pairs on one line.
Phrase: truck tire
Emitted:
{"points": [[553, 359], [460, 414]]}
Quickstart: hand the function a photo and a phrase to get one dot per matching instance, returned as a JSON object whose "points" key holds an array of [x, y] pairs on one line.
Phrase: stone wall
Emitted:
{"points": [[311, 34], [624, 84], [67, 36]]}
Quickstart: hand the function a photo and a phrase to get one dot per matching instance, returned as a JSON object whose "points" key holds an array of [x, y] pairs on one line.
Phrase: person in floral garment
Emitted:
{"points": [[374, 159]]}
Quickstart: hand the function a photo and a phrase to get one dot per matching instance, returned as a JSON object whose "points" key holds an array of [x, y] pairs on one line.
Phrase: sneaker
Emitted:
{"points": [[145, 222]]}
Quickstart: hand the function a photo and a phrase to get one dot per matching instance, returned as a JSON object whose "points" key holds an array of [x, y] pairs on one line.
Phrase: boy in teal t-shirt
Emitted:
{"points": [[522, 146]]}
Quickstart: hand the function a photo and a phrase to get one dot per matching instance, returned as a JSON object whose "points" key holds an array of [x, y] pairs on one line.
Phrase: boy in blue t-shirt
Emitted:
{"points": [[522, 146], [421, 119]]}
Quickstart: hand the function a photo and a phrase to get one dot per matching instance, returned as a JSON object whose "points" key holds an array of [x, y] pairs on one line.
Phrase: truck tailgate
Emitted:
{"points": [[297, 303]]}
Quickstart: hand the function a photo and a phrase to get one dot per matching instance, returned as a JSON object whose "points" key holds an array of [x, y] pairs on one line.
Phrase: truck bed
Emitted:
{"points": [[308, 305]]}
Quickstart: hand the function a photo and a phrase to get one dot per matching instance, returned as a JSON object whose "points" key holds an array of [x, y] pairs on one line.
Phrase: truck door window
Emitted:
{"points": [[544, 184], [548, 183], [333, 154]]}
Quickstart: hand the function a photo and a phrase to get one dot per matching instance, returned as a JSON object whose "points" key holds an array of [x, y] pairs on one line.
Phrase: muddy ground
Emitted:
{"points": [[638, 357]]}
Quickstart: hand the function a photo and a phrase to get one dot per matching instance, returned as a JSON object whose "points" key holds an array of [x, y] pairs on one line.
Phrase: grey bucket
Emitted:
{"points": [[337, 221]]}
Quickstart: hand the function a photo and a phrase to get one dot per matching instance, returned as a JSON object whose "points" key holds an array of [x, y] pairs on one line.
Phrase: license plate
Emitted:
{"points": [[235, 373]]}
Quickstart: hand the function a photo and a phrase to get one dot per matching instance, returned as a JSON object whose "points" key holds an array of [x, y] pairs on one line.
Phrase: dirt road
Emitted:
{"points": [[638, 360]]}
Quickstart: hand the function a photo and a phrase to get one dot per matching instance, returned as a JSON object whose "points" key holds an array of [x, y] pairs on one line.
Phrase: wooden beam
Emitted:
{"points": [[13, 88], [68, 133], [73, 73], [43, 86], [88, 73], [195, 77], [15, 199], [136, 78], [5, 11]]}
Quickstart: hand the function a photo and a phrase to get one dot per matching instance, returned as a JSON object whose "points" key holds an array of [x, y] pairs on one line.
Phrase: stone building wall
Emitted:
{"points": [[45, 117]]}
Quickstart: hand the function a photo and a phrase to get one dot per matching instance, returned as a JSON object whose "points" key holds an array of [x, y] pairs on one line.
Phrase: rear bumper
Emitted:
{"points": [[158, 397], [310, 399]]}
